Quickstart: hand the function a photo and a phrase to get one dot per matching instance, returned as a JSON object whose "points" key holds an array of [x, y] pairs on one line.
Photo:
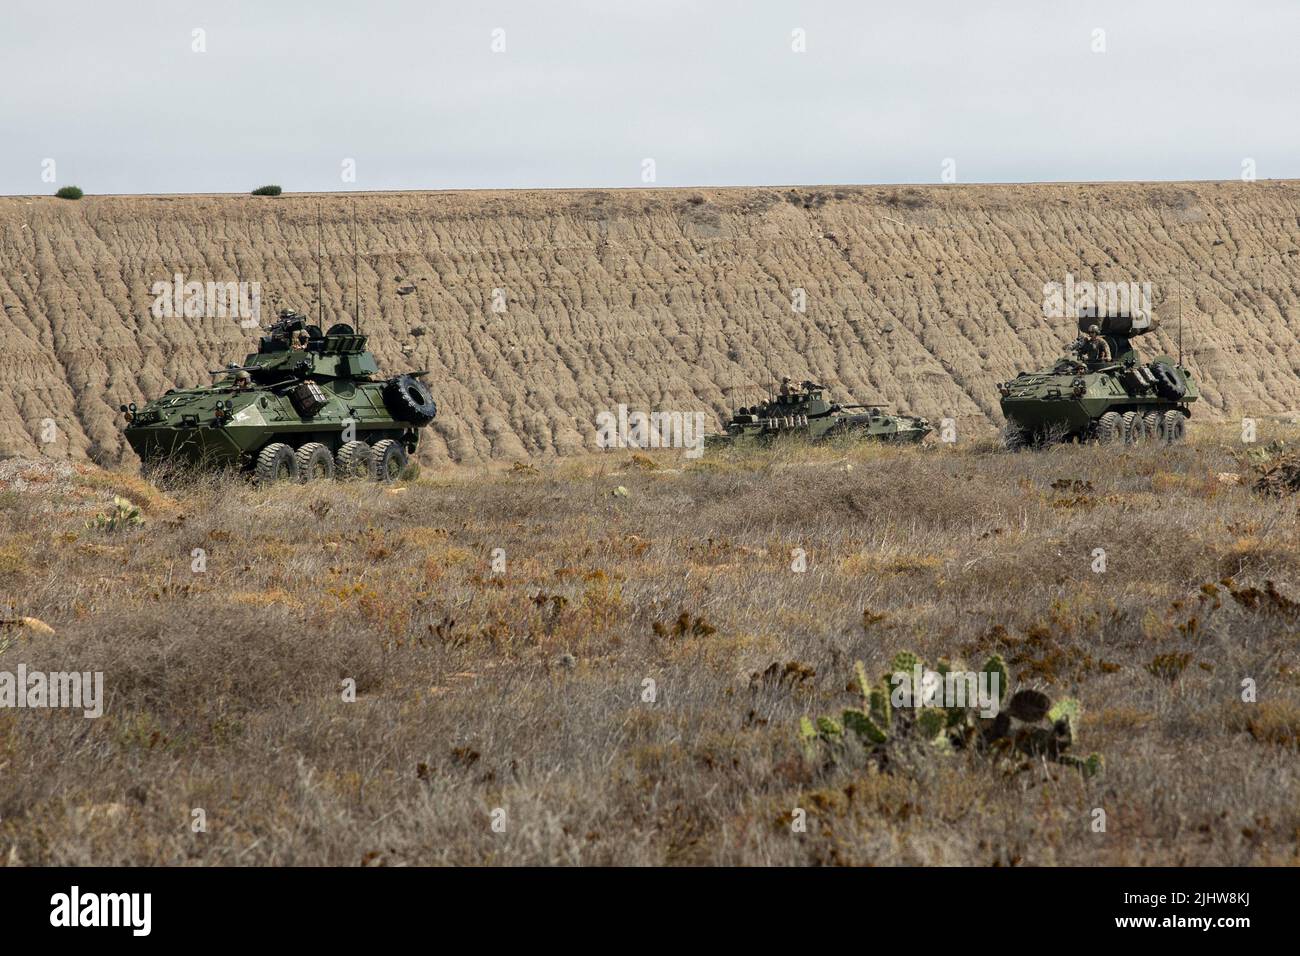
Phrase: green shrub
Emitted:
{"points": [[70, 192], [267, 191]]}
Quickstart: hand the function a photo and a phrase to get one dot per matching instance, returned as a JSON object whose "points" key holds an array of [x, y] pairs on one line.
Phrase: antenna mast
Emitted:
{"points": [[320, 300], [1180, 318], [356, 271]]}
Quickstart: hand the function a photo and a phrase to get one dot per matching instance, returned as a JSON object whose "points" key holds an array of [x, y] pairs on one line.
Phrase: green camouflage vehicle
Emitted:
{"points": [[1114, 397], [304, 406], [804, 411]]}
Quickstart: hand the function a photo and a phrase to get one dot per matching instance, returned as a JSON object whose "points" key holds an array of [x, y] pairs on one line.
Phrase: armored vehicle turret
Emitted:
{"points": [[803, 410], [306, 405], [1101, 390]]}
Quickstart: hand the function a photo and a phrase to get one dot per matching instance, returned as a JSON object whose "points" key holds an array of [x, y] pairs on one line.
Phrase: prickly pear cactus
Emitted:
{"points": [[878, 704], [828, 728], [867, 729], [1028, 724], [930, 723], [807, 731], [905, 662], [1067, 709], [864, 682], [123, 515]]}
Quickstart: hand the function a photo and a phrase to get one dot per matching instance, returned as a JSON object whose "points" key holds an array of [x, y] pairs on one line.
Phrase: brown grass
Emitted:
{"points": [[524, 690]]}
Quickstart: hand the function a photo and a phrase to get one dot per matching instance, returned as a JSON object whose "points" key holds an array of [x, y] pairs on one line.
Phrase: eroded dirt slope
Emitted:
{"points": [[923, 297]]}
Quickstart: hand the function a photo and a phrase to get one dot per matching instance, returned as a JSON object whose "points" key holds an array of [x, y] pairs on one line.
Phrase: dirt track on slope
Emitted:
{"points": [[922, 297]]}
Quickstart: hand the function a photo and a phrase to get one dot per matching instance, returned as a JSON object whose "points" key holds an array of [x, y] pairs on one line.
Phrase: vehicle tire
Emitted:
{"points": [[353, 461], [1152, 420], [410, 400], [388, 460], [314, 462], [1109, 428], [1167, 384], [1173, 427], [1135, 428], [276, 462]]}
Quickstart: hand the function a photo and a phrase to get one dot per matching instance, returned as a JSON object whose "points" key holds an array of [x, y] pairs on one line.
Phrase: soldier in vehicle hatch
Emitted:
{"points": [[1094, 349], [786, 388]]}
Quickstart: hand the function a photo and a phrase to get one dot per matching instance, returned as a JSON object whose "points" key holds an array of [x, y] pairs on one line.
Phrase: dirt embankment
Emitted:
{"points": [[923, 297]]}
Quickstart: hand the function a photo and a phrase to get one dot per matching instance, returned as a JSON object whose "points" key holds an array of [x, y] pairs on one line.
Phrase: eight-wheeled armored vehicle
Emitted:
{"points": [[1115, 398], [803, 410], [306, 405]]}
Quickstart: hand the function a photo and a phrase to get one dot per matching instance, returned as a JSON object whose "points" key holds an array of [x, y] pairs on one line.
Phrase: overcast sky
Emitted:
{"points": [[713, 91]]}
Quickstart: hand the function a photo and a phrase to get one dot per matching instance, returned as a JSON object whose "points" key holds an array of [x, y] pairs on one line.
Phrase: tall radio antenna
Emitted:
{"points": [[320, 298], [1180, 318], [356, 270]]}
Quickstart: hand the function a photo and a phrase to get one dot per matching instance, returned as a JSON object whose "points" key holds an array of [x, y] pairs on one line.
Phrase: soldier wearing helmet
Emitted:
{"points": [[1094, 348]]}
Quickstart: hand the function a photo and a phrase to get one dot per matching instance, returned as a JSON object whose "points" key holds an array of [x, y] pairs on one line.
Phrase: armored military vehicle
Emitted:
{"points": [[305, 406], [1109, 397], [803, 410]]}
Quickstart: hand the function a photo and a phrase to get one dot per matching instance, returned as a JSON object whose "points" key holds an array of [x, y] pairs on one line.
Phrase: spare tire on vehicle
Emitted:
{"points": [[1167, 384], [410, 400]]}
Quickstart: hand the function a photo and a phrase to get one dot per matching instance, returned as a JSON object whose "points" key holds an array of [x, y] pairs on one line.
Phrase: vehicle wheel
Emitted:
{"points": [[410, 400], [388, 460], [1152, 420], [276, 462], [1135, 428], [1109, 428], [353, 461], [314, 462], [1173, 427]]}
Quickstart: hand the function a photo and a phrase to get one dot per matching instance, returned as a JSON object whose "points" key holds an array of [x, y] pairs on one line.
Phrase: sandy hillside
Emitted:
{"points": [[923, 297]]}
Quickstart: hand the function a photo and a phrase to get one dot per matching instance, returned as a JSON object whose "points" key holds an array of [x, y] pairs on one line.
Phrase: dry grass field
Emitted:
{"points": [[524, 690]]}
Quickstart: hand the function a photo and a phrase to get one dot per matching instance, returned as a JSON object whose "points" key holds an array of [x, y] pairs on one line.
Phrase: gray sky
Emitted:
{"points": [[585, 90]]}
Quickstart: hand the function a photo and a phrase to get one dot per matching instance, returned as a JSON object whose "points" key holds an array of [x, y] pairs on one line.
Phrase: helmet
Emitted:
{"points": [[1094, 330]]}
